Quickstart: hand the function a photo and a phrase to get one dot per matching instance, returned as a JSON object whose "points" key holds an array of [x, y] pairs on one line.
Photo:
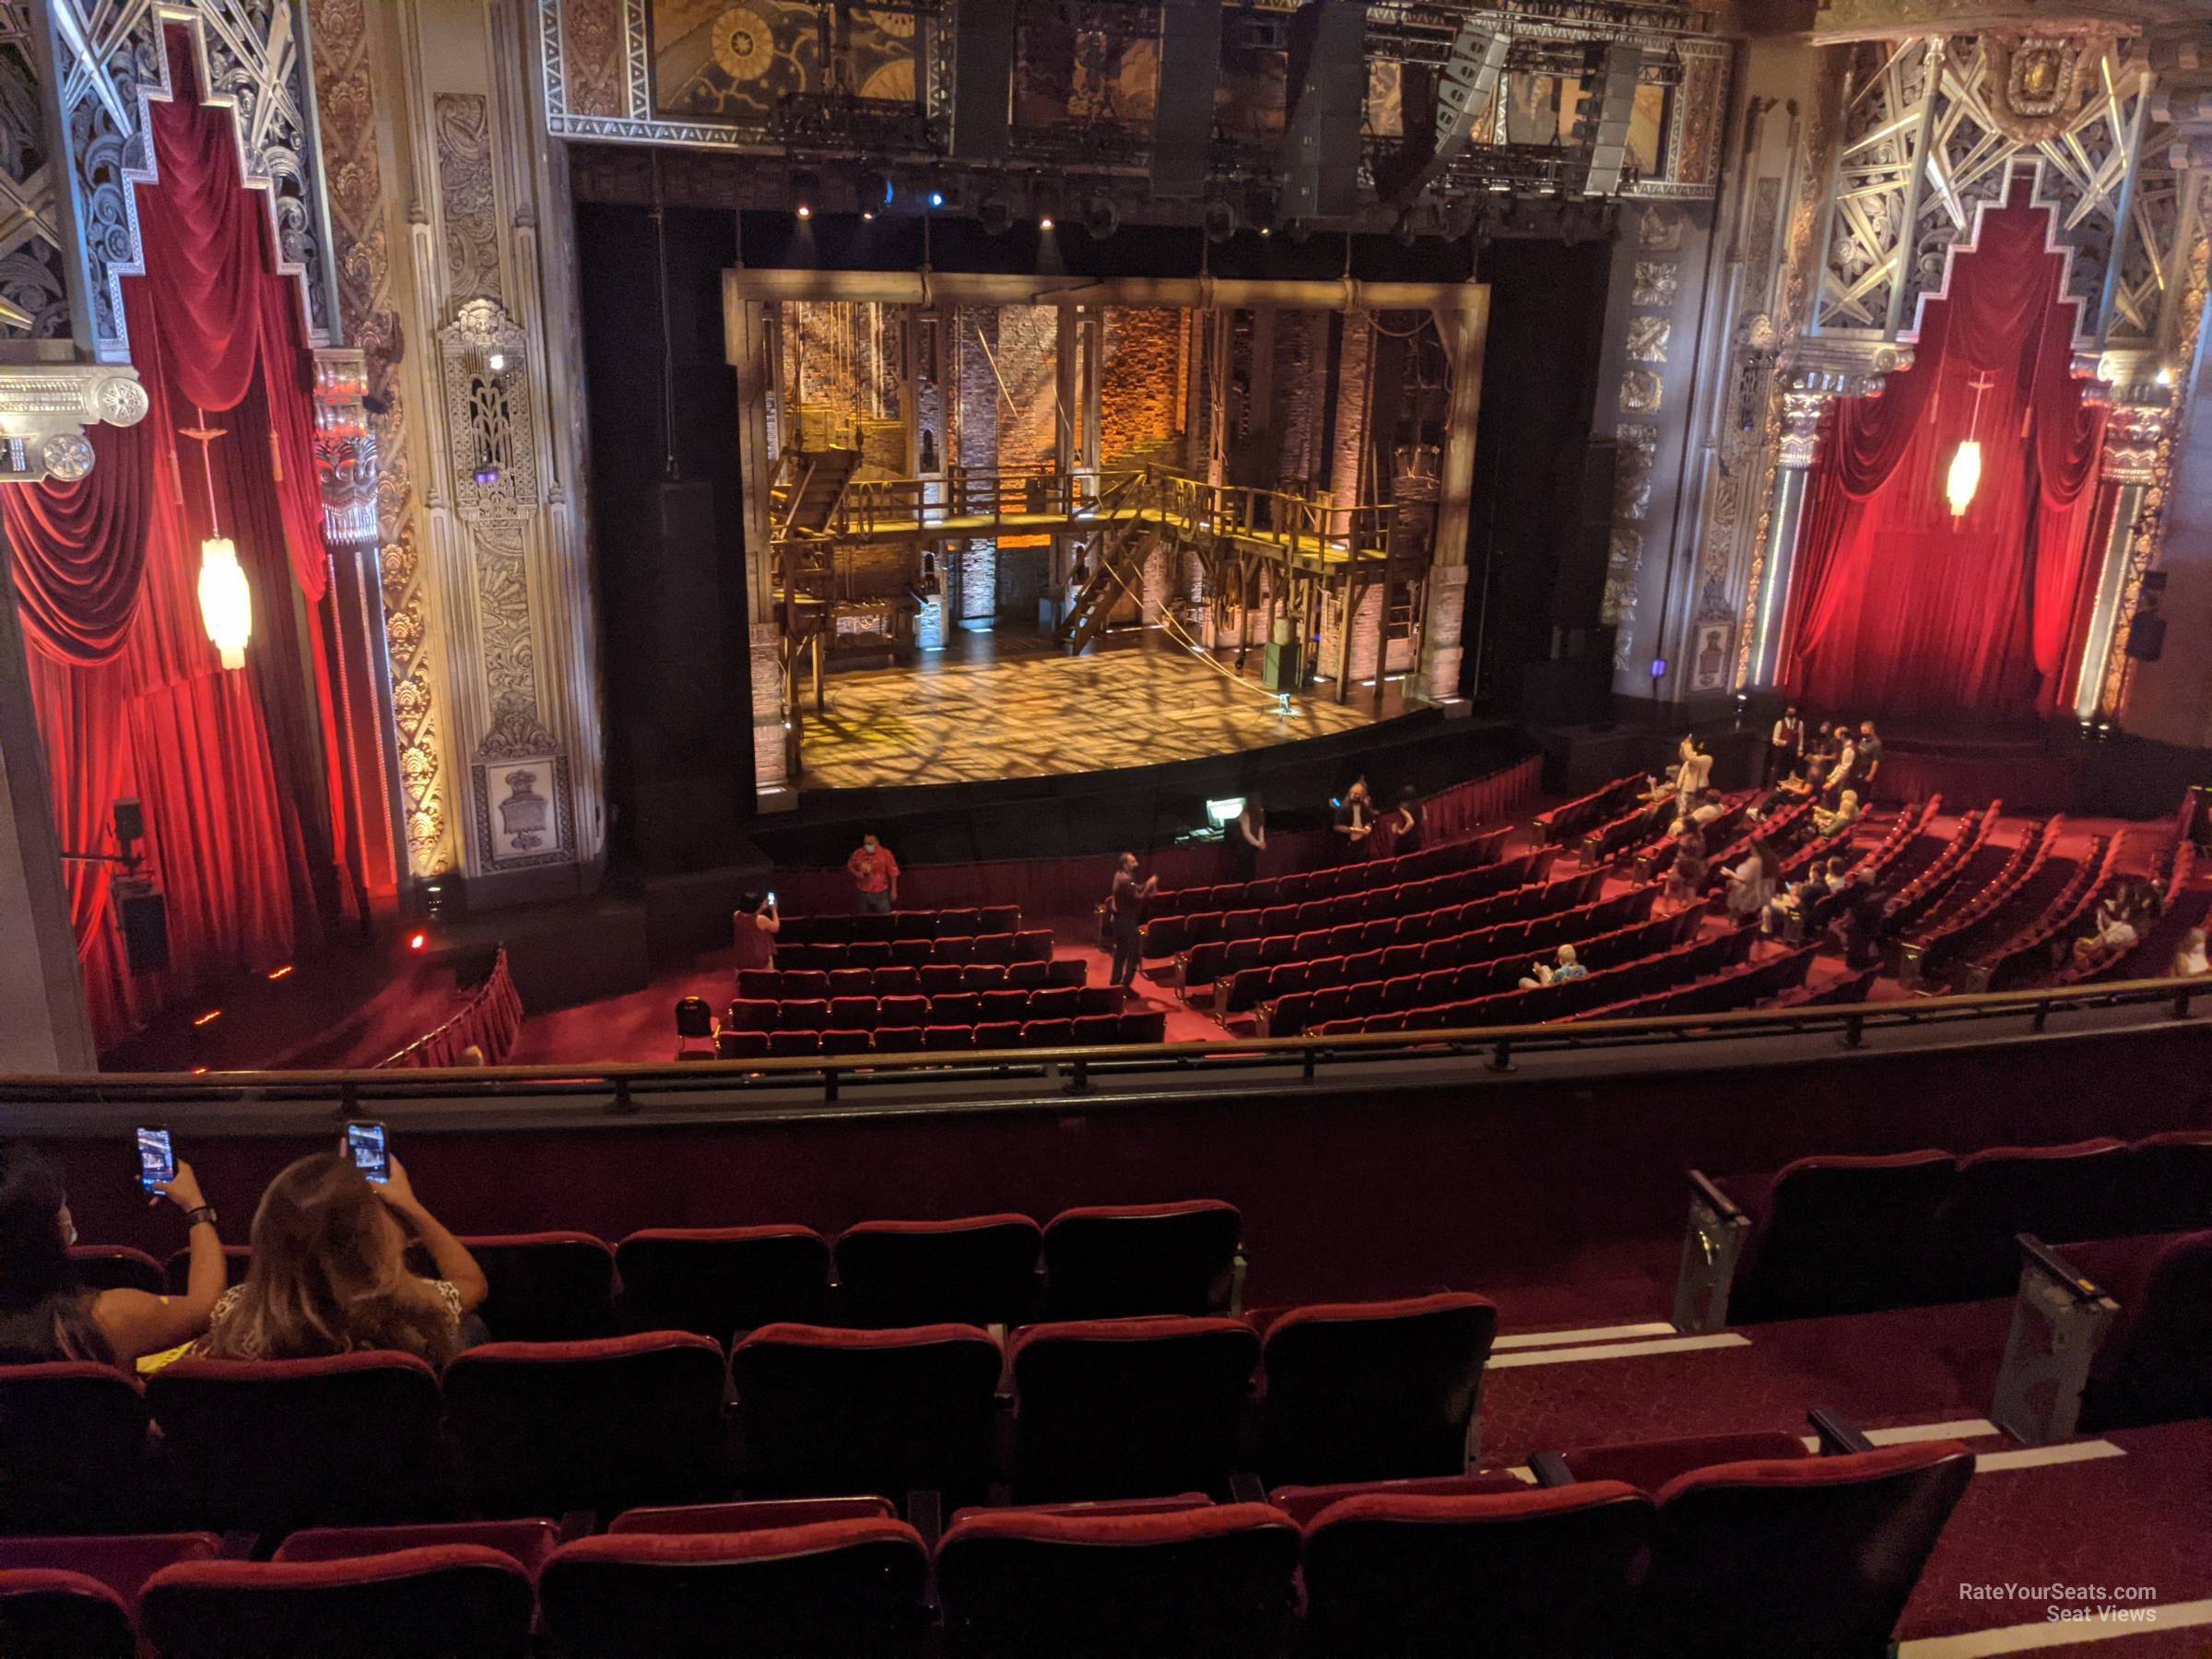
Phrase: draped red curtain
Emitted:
{"points": [[1895, 608], [241, 807]]}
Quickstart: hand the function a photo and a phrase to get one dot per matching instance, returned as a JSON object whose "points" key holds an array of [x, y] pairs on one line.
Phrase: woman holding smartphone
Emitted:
{"points": [[46, 1313], [330, 1274]]}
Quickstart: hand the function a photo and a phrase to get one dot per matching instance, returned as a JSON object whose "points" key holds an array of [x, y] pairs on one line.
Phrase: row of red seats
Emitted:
{"points": [[1483, 1564], [1034, 945], [902, 925], [1334, 1007], [949, 1008], [1742, 986], [985, 1036], [2019, 959], [1570, 818], [1264, 890], [1216, 958], [1169, 935], [1854, 1234], [1099, 1410], [1546, 930], [1092, 1261], [936, 979], [1564, 998], [1928, 887]]}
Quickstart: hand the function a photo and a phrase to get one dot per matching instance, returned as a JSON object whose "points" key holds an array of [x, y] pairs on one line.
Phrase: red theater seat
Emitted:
{"points": [[793, 1045], [1150, 1027], [851, 1014], [1033, 945], [546, 1427], [740, 1045], [966, 922], [1813, 1557], [2155, 1364], [528, 1541], [899, 1039], [49, 1614], [546, 1287], [804, 981], [1838, 1235], [436, 1602], [1374, 1391], [978, 1270], [117, 1268], [998, 918], [1065, 1002], [270, 1445], [2166, 1186], [848, 1588], [1048, 1033], [1302, 1503], [1179, 1583], [123, 1563], [992, 947], [1525, 1574], [237, 1258], [942, 979], [715, 1281], [998, 1034], [902, 1011], [73, 1448], [1031, 974], [1095, 999], [803, 1014], [1007, 1002], [2060, 1192], [851, 982], [751, 1516], [830, 1412], [760, 984], [748, 1014], [948, 1039], [914, 953], [959, 1007], [847, 1043], [1108, 1261], [868, 953], [899, 981], [1092, 1029], [1128, 1407]]}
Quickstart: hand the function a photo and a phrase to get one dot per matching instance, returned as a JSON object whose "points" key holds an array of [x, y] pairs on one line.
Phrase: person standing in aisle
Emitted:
{"points": [[874, 875], [1125, 906]]}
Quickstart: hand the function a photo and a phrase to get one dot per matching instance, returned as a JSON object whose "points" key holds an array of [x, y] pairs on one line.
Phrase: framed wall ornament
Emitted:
{"points": [[523, 817]]}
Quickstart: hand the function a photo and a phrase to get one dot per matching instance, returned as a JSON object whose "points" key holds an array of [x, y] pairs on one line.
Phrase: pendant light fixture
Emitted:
{"points": [[1965, 476], [226, 599]]}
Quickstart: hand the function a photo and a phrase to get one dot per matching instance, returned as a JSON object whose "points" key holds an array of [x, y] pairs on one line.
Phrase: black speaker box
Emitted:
{"points": [[1585, 517], [144, 918], [983, 79]]}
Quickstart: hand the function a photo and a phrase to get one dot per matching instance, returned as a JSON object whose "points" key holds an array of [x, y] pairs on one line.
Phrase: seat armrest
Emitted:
{"points": [[2061, 1273], [925, 1515], [1723, 1206], [1839, 1435], [2060, 1318], [1550, 1469]]}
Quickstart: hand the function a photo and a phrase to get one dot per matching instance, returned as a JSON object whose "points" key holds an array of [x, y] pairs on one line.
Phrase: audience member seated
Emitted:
{"points": [[47, 1314], [1834, 820], [2111, 934], [329, 1274], [1567, 968], [2189, 959]]}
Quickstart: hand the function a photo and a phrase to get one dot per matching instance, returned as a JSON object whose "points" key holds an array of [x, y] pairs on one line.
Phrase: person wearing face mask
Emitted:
{"points": [[874, 875], [47, 1314]]}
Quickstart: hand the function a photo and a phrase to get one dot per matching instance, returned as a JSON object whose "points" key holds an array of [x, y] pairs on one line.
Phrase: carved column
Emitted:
{"points": [[2133, 435], [1438, 678]]}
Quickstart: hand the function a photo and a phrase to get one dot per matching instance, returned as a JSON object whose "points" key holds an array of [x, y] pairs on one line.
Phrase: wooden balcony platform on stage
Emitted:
{"points": [[990, 708]]}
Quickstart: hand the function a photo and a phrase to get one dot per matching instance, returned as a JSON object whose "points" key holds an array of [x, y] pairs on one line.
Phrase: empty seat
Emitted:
{"points": [[1108, 1261], [270, 1445], [899, 1039], [998, 1034], [73, 1448], [1149, 1027], [1090, 999], [868, 953], [1178, 1584], [1520, 1574], [957, 1007], [122, 1563], [1303, 1503], [898, 981], [903, 1011], [440, 1602], [851, 982], [740, 1045], [2058, 1193], [1030, 974], [529, 1541], [1812, 1556], [805, 983], [117, 1268], [1373, 1391], [913, 952], [793, 1045], [803, 1014], [829, 1412], [1048, 1033], [546, 1287], [978, 1270], [847, 1043], [1091, 1029], [983, 976], [992, 947], [851, 1013], [998, 918], [966, 923], [948, 1039], [2167, 1185], [1033, 945], [47, 1612], [694, 1023], [940, 979], [715, 1281], [853, 1587], [2155, 1364], [1837, 1235], [546, 1427], [759, 984], [1128, 1407], [1065, 1002], [1007, 1002], [750, 1514]]}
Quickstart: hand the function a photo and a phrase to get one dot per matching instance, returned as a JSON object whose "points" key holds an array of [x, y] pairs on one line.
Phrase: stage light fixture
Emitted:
{"points": [[1044, 201], [1221, 219], [1101, 215], [417, 941], [805, 187], [226, 600], [995, 211], [877, 193], [1965, 475], [937, 199]]}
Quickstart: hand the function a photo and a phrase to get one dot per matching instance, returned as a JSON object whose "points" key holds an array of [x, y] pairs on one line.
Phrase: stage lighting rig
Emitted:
{"points": [[995, 211], [1044, 202], [1221, 219], [876, 190], [1102, 215], [806, 188]]}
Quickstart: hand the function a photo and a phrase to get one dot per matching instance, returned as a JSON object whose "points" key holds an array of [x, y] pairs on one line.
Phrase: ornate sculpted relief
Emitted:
{"points": [[346, 101], [471, 211], [33, 280], [1656, 282], [1632, 471], [1641, 392], [1659, 229], [1647, 338], [250, 64], [2035, 83], [488, 421]]}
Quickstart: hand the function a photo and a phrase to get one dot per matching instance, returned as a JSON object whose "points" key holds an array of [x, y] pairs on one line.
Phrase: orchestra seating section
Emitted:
{"points": [[1007, 1017]]}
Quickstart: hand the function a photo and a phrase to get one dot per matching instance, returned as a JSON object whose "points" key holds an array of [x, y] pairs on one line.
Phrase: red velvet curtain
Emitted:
{"points": [[1899, 610], [130, 696]]}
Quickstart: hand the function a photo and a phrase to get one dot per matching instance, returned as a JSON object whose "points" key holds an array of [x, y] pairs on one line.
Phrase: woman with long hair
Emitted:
{"points": [[47, 1314], [330, 1274], [1753, 884]]}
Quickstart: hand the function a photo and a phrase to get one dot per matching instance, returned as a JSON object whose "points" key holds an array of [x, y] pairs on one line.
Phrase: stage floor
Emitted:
{"points": [[992, 707]]}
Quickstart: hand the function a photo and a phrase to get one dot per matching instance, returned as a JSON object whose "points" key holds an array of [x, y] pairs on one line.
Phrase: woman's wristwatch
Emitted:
{"points": [[204, 1213]]}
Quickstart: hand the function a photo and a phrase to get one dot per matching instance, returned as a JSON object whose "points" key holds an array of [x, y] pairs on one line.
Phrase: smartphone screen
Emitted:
{"points": [[366, 1141], [157, 1158], [771, 899]]}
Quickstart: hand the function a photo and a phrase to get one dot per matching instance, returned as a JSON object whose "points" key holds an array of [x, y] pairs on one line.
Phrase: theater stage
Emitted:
{"points": [[989, 706]]}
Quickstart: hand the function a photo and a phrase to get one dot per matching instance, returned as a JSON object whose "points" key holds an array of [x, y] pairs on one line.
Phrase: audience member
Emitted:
{"points": [[1125, 906], [874, 875], [2189, 959], [1405, 823], [1686, 876], [329, 1273], [756, 924], [1835, 874], [1843, 770], [1563, 968], [1693, 773], [1248, 839], [1752, 884], [1865, 925], [1870, 755], [46, 1313], [1828, 820], [1355, 822], [2113, 934], [1786, 747], [1707, 806]]}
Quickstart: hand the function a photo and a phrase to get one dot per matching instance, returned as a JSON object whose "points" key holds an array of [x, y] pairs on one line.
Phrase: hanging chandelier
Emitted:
{"points": [[1965, 476], [225, 597]]}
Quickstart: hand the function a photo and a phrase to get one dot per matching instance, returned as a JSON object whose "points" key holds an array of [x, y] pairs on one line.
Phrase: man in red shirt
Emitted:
{"points": [[874, 875]]}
